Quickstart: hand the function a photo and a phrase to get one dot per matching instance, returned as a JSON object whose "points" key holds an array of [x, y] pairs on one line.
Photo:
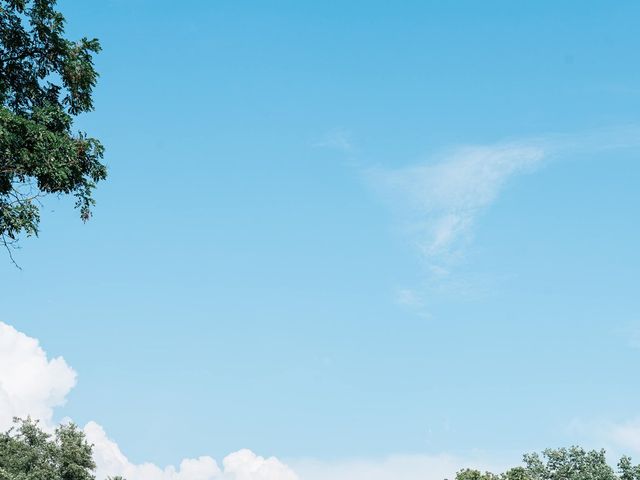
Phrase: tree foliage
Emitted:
{"points": [[572, 463], [28, 453], [46, 80]]}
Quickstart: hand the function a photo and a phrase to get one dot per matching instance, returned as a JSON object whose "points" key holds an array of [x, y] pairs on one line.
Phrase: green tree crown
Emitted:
{"points": [[572, 463], [28, 453], [45, 81]]}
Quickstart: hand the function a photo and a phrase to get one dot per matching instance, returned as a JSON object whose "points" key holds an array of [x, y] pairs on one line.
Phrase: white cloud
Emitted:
{"points": [[241, 465], [111, 461], [337, 140], [33, 385], [443, 197], [246, 465], [30, 384]]}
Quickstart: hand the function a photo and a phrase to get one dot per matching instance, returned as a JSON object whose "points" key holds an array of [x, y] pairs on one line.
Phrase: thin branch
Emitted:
{"points": [[8, 247]]}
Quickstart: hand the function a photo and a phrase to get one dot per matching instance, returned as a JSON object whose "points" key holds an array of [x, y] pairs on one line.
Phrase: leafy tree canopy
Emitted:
{"points": [[572, 463], [28, 453], [45, 81]]}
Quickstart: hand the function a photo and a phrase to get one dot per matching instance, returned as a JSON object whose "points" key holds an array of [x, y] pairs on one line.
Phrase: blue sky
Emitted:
{"points": [[350, 229]]}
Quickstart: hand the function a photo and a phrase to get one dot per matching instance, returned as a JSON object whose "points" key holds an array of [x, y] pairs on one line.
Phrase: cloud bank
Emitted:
{"points": [[241, 465], [32, 384]]}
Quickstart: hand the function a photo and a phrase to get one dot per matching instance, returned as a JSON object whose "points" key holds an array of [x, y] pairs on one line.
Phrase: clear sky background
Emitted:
{"points": [[350, 229]]}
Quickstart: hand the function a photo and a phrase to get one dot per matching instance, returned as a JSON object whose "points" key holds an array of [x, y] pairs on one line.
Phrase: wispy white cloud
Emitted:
{"points": [[337, 140], [442, 199], [409, 298]]}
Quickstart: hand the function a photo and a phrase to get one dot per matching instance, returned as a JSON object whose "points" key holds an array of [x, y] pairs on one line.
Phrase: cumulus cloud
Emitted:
{"points": [[33, 385], [443, 198], [241, 465], [111, 461], [30, 384], [246, 465]]}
